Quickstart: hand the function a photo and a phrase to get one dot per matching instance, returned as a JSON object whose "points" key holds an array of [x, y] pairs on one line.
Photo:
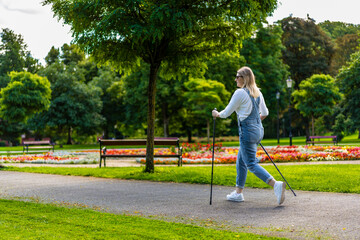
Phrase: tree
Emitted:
{"points": [[202, 96], [342, 126], [52, 56], [316, 96], [168, 102], [71, 54], [348, 80], [308, 50], [178, 32], [345, 46], [75, 105], [25, 95], [13, 57], [223, 67], [112, 110], [263, 53], [13, 54], [31, 64], [339, 29]]}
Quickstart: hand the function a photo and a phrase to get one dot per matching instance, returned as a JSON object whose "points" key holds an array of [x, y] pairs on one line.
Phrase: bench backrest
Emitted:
{"points": [[323, 137], [139, 142], [36, 142]]}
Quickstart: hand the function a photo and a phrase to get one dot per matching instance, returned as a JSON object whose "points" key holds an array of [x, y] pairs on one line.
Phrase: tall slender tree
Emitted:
{"points": [[178, 32]]}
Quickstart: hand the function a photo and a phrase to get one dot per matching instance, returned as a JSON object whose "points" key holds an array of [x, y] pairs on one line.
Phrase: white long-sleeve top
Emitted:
{"points": [[241, 103]]}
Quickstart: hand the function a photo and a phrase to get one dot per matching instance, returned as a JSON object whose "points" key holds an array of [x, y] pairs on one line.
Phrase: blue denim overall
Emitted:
{"points": [[251, 133]]}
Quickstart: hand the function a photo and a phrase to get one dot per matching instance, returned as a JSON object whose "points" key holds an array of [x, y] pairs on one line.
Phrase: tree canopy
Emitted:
{"points": [[202, 96], [345, 46], [308, 50], [14, 55], [25, 95], [316, 96], [348, 80], [339, 29]]}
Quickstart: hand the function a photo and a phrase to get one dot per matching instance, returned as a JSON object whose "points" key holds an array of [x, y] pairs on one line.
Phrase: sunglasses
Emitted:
{"points": [[238, 76]]}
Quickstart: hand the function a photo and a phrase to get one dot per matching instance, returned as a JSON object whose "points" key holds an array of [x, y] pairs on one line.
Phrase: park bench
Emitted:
{"points": [[43, 144], [317, 140], [138, 142]]}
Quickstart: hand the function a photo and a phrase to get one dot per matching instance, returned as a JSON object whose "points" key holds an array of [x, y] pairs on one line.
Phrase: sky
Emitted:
{"points": [[41, 31]]}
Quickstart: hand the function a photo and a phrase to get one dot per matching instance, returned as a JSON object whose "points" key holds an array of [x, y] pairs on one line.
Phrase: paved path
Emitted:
{"points": [[307, 216]]}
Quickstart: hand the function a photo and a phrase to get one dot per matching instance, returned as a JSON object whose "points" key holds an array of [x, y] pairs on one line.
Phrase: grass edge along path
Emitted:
{"points": [[28, 220], [339, 178]]}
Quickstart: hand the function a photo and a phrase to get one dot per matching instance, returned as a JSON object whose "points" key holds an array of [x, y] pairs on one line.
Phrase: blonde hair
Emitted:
{"points": [[249, 81]]}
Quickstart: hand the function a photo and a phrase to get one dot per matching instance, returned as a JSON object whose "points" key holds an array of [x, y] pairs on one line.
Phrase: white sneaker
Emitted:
{"points": [[279, 189], [235, 197]]}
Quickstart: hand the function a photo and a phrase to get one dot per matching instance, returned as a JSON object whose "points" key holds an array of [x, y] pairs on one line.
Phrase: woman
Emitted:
{"points": [[249, 105]]}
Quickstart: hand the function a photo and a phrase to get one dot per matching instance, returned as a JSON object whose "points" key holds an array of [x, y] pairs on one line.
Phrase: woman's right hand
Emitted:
{"points": [[215, 113]]}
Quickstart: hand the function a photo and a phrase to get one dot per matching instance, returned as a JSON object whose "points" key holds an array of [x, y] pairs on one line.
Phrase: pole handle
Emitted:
{"points": [[215, 110]]}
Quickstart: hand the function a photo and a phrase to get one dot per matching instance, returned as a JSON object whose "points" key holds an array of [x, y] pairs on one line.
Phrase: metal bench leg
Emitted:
{"points": [[104, 161]]}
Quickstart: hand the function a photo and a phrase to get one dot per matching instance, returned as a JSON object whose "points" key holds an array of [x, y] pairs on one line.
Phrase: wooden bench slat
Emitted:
{"points": [[137, 142]]}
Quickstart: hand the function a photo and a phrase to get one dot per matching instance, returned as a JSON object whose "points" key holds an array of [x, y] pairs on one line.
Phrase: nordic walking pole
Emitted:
{"points": [[212, 162], [277, 169]]}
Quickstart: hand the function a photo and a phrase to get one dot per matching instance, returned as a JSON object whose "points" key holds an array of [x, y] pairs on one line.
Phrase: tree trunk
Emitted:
{"points": [[359, 134], [151, 119], [166, 120], [208, 130], [312, 126], [106, 133], [307, 128], [189, 135], [69, 136]]}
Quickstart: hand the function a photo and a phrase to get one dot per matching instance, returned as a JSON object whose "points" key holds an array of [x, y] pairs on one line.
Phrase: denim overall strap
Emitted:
{"points": [[254, 117]]}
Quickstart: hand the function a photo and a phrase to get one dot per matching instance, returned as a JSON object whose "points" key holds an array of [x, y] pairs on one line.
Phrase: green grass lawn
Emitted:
{"points": [[341, 178], [27, 220]]}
